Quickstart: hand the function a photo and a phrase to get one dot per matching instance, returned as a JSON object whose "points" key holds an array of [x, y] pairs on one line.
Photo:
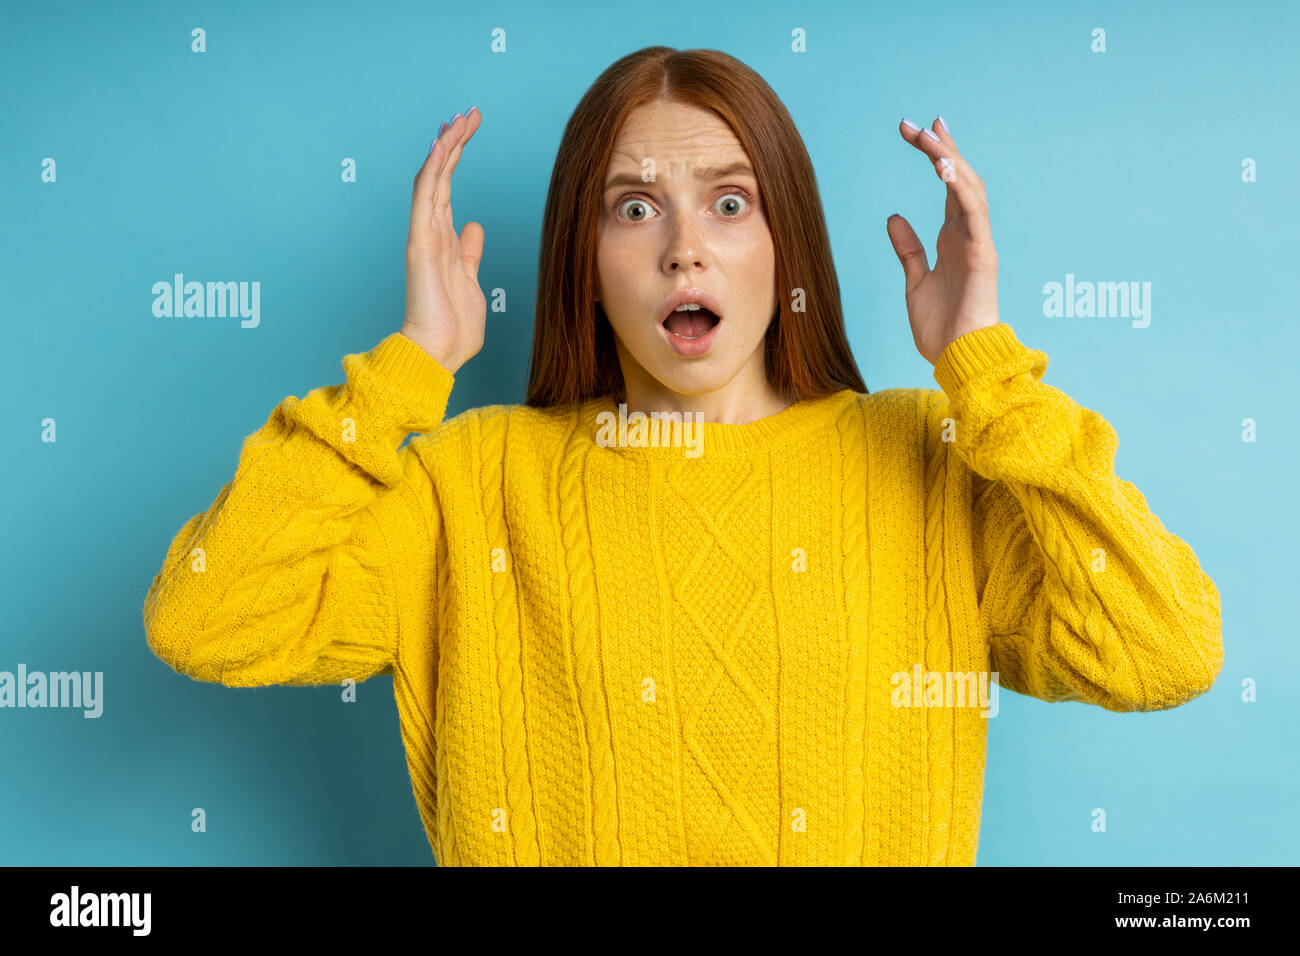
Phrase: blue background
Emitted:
{"points": [[1115, 166]]}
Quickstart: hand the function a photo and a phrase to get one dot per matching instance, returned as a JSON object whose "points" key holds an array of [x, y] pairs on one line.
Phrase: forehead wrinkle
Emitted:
{"points": [[705, 166], [699, 144]]}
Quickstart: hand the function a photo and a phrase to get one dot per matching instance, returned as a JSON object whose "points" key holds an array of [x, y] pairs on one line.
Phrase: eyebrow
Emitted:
{"points": [[708, 173]]}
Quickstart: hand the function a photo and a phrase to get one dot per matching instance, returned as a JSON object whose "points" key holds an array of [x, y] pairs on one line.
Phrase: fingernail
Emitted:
{"points": [[470, 110], [930, 133], [910, 125], [949, 175], [452, 121], [944, 124]]}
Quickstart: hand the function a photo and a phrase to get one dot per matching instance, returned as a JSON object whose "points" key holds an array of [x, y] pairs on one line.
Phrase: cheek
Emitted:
{"points": [[756, 262], [618, 274], [611, 262], [754, 251]]}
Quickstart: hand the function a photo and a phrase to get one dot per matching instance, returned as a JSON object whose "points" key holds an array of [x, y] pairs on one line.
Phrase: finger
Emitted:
{"points": [[433, 180], [422, 191], [938, 145], [937, 141], [966, 196], [910, 251], [471, 248], [914, 135], [964, 187], [947, 171], [456, 136]]}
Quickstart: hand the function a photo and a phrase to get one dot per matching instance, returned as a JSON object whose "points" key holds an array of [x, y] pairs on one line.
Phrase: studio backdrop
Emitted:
{"points": [[1139, 165]]}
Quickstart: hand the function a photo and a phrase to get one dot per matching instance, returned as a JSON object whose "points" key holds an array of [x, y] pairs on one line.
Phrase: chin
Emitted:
{"points": [[683, 376], [698, 381]]}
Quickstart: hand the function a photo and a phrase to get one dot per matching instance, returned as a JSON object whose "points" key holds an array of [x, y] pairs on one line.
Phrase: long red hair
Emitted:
{"points": [[573, 357]]}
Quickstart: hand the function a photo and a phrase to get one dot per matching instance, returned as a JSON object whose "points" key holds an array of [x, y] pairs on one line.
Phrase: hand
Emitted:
{"points": [[960, 294], [445, 308]]}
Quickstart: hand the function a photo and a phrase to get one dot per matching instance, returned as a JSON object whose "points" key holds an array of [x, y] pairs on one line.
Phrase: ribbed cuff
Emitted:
{"points": [[414, 374], [968, 355]]}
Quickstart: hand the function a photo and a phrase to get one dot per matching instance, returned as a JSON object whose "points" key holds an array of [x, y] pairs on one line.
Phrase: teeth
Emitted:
{"points": [[689, 307]]}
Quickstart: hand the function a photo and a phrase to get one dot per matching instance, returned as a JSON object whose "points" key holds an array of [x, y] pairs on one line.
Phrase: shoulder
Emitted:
{"points": [[900, 407], [907, 424], [483, 432]]}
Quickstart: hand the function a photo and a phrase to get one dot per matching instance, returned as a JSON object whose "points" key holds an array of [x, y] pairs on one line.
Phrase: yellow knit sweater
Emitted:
{"points": [[613, 654]]}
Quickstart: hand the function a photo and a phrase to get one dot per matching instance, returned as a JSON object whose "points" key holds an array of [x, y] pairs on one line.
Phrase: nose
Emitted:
{"points": [[685, 247]]}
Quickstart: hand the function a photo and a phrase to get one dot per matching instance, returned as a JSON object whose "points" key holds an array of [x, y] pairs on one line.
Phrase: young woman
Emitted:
{"points": [[621, 639]]}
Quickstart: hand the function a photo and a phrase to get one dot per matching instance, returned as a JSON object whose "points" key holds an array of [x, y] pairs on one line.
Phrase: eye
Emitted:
{"points": [[634, 203], [732, 198], [737, 203]]}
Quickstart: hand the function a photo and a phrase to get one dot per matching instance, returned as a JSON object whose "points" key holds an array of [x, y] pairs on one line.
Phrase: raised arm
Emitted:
{"points": [[322, 548], [1084, 593], [306, 562]]}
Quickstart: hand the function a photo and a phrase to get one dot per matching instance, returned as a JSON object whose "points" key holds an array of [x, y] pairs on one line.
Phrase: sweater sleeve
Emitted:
{"points": [[309, 560], [1084, 594]]}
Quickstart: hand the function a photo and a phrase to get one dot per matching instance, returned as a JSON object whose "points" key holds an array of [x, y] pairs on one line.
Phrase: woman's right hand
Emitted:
{"points": [[445, 308]]}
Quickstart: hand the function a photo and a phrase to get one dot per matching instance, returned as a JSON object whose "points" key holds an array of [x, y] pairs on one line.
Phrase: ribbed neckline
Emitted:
{"points": [[715, 439]]}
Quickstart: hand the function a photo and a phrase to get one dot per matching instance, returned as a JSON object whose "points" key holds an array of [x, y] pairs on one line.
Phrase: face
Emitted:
{"points": [[698, 225]]}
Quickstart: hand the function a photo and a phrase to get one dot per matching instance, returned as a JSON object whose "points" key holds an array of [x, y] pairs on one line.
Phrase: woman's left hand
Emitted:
{"points": [[960, 294]]}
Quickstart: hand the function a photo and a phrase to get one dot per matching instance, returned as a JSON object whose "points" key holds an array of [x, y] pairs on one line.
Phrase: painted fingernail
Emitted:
{"points": [[470, 110], [944, 124], [949, 174], [910, 125], [930, 133], [452, 121]]}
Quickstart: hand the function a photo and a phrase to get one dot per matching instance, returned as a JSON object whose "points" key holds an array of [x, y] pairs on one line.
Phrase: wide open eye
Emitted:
{"points": [[645, 206], [736, 199], [735, 203]]}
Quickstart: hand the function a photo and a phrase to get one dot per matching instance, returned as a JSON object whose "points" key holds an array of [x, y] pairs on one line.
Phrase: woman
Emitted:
{"points": [[607, 650]]}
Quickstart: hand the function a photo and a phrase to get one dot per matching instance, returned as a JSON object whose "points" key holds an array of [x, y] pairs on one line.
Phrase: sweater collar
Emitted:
{"points": [[616, 431]]}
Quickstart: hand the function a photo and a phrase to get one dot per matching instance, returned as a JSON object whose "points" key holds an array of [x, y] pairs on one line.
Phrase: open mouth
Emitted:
{"points": [[691, 323]]}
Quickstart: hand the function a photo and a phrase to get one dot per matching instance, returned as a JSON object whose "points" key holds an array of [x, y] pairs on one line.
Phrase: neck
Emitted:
{"points": [[746, 398]]}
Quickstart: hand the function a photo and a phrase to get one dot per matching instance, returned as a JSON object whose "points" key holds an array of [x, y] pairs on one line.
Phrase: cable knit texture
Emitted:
{"points": [[609, 654]]}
